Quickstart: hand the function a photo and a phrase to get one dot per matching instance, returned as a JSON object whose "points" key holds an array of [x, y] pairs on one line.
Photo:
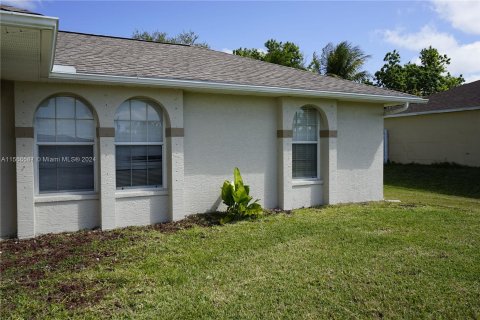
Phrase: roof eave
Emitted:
{"points": [[47, 25], [420, 113], [231, 88]]}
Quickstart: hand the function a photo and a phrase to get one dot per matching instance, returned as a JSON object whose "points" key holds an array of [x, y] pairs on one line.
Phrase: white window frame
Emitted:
{"points": [[162, 144], [64, 143], [316, 179]]}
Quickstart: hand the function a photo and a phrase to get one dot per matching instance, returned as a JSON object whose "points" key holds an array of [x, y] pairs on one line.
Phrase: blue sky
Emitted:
{"points": [[377, 26]]}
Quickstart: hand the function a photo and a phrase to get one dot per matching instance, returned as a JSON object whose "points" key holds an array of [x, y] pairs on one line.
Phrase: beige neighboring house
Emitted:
{"points": [[107, 132], [446, 129]]}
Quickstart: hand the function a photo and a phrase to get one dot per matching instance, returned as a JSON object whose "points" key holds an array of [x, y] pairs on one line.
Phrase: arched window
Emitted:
{"points": [[139, 144], [65, 139], [305, 144]]}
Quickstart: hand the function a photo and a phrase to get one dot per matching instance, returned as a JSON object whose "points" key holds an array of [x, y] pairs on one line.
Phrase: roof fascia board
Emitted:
{"points": [[432, 112], [45, 24], [28, 20], [239, 88]]}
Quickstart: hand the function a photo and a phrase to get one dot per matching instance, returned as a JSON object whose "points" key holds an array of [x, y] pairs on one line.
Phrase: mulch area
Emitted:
{"points": [[25, 263]]}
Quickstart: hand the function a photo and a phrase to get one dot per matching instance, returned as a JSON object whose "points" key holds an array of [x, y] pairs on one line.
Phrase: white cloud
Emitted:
{"points": [[472, 77], [464, 57], [463, 15], [23, 4]]}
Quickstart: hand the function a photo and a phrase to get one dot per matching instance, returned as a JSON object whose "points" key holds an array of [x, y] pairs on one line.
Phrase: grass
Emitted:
{"points": [[419, 258]]}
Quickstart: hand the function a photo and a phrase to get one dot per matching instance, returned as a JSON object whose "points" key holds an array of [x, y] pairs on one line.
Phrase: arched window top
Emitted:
{"points": [[65, 138], [306, 125], [138, 120], [305, 150], [64, 119], [139, 144]]}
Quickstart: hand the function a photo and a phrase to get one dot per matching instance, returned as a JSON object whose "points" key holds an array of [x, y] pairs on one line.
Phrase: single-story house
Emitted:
{"points": [[101, 131], [446, 129]]}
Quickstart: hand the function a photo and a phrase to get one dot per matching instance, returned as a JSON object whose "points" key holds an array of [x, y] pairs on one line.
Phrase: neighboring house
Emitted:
{"points": [[446, 129], [110, 132]]}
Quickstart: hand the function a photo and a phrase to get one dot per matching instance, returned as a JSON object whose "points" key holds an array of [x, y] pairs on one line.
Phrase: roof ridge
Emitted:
{"points": [[9, 8], [303, 70], [208, 65], [124, 38]]}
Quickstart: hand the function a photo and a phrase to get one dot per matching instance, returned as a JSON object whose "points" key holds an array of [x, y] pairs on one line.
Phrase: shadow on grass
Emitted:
{"points": [[446, 179]]}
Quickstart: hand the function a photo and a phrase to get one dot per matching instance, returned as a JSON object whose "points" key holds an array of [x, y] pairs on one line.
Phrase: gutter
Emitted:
{"points": [[51, 23], [393, 110], [17, 19], [410, 114], [229, 87]]}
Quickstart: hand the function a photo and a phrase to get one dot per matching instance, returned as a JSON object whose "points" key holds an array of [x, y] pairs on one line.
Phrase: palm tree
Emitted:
{"points": [[342, 60]]}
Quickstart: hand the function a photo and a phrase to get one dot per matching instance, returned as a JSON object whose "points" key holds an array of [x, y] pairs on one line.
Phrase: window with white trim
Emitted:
{"points": [[305, 144], [65, 140], [139, 144]]}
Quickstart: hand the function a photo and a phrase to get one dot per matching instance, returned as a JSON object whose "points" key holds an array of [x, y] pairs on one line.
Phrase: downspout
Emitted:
{"points": [[394, 109], [389, 111]]}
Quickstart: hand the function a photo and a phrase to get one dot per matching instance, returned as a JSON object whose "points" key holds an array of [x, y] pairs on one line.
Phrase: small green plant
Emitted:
{"points": [[235, 196]]}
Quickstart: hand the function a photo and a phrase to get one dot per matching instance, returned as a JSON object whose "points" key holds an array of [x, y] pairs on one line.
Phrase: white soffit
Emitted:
{"points": [[27, 45]]}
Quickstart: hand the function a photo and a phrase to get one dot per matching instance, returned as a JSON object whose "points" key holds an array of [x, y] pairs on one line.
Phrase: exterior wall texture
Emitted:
{"points": [[360, 152], [78, 211], [434, 138], [61, 216], [307, 195], [223, 132], [134, 210], [209, 135]]}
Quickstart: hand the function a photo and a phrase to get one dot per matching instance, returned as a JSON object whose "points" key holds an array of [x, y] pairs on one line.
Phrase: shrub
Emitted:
{"points": [[235, 196]]}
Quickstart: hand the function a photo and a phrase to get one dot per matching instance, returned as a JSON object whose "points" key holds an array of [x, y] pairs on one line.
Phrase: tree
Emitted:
{"points": [[392, 74], [250, 53], [285, 54], [428, 77], [342, 60], [185, 37]]}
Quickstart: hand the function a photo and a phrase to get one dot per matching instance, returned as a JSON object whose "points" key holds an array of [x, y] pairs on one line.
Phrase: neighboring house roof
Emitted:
{"points": [[461, 98], [105, 55]]}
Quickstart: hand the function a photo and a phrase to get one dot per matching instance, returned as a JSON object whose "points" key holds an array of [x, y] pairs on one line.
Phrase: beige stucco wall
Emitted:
{"points": [[223, 132], [62, 216], [134, 210], [8, 203], [360, 152], [433, 138], [220, 132], [307, 195], [74, 212]]}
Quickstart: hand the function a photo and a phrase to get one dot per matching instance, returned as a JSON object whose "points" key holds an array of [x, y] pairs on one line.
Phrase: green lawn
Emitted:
{"points": [[419, 258]]}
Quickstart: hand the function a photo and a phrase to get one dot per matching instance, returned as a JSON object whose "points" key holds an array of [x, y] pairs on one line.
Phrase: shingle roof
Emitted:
{"points": [[465, 96], [4, 7], [94, 54]]}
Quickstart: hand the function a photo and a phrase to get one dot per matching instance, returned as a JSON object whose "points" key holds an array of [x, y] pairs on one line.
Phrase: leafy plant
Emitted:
{"points": [[343, 60], [282, 53], [235, 196], [427, 77]]}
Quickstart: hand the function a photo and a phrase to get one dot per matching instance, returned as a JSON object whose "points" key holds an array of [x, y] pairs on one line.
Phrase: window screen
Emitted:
{"points": [[139, 145], [305, 144], [65, 135]]}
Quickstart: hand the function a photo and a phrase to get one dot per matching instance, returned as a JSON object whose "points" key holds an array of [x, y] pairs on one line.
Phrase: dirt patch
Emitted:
{"points": [[25, 263], [78, 293], [200, 220], [29, 261]]}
